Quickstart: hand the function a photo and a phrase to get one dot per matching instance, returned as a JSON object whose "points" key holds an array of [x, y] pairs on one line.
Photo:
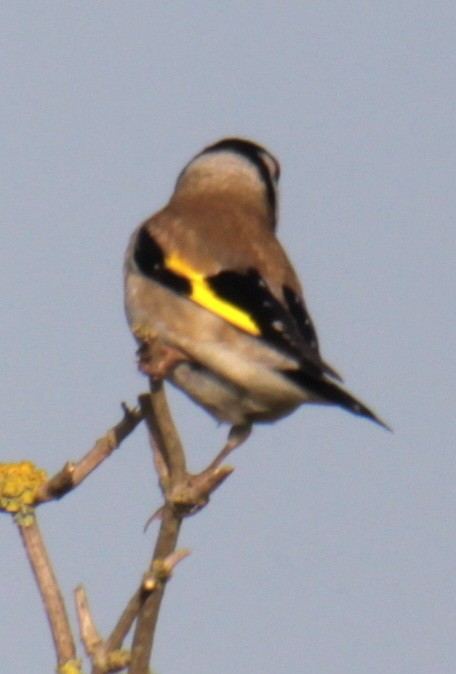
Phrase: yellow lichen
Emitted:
{"points": [[19, 486], [70, 667], [118, 660]]}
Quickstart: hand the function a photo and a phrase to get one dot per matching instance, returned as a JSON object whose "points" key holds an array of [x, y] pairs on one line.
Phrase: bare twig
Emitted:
{"points": [[104, 658], [90, 636], [125, 622], [64, 481], [72, 475], [50, 592], [162, 570], [187, 493], [151, 601], [164, 439], [184, 495], [169, 459]]}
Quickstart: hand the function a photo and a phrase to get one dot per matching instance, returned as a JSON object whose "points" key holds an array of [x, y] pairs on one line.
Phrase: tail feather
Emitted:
{"points": [[333, 393]]}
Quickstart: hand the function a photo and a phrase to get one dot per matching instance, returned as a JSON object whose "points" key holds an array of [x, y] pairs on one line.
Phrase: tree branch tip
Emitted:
{"points": [[131, 413], [59, 484], [224, 471], [68, 470], [68, 467], [80, 596], [212, 480], [157, 515], [90, 636], [172, 560], [126, 409], [162, 570]]}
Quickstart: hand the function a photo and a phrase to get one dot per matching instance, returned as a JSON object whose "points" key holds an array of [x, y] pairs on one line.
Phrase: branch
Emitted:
{"points": [[72, 474], [19, 486], [184, 495], [23, 486], [50, 592], [104, 660], [124, 624], [167, 449], [169, 460]]}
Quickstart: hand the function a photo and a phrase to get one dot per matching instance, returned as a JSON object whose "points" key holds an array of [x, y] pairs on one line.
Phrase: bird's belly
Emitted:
{"points": [[227, 401]]}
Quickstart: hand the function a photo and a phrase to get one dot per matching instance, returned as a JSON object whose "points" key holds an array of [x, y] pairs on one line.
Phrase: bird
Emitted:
{"points": [[214, 303]]}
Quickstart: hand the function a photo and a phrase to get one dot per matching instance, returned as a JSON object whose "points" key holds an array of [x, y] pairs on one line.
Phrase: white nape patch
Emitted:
{"points": [[228, 164]]}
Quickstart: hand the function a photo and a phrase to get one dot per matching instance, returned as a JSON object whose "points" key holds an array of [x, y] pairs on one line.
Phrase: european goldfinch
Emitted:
{"points": [[214, 302]]}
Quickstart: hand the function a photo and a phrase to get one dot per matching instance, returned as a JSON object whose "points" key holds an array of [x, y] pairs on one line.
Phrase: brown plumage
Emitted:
{"points": [[214, 302]]}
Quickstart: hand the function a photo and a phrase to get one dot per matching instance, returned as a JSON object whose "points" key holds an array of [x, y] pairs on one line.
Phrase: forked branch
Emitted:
{"points": [[184, 495]]}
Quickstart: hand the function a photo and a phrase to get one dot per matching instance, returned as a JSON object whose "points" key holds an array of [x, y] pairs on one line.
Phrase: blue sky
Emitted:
{"points": [[331, 548]]}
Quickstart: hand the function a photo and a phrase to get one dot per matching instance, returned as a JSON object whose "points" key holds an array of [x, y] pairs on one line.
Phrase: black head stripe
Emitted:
{"points": [[254, 153], [151, 262]]}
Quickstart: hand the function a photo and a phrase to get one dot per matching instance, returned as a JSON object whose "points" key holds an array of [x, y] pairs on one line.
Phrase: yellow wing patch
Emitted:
{"points": [[203, 295]]}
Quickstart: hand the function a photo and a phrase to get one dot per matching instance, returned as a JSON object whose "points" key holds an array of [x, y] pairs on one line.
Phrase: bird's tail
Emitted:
{"points": [[334, 394]]}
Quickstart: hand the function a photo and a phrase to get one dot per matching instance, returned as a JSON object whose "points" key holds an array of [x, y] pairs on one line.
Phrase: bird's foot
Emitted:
{"points": [[156, 360], [236, 436]]}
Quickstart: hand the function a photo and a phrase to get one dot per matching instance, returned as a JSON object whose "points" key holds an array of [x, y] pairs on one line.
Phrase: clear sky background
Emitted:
{"points": [[331, 549]]}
